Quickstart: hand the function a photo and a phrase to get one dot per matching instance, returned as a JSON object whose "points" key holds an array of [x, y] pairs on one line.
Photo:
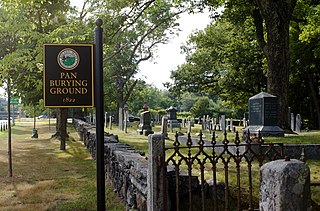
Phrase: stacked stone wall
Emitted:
{"points": [[126, 168]]}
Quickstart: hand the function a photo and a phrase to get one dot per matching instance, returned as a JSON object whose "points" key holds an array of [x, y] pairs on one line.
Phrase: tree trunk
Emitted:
{"points": [[61, 126], [277, 15], [278, 66]]}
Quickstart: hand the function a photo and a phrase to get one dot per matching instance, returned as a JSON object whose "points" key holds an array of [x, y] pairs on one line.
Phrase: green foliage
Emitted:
{"points": [[25, 26], [187, 100], [156, 99], [223, 60], [33, 110], [304, 77], [184, 115], [201, 107]]}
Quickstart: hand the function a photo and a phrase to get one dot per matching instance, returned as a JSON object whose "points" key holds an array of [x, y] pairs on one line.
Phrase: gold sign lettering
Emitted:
{"points": [[68, 84]]}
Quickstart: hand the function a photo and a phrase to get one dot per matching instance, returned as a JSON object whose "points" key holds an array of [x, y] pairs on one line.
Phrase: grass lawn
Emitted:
{"points": [[46, 178], [140, 142]]}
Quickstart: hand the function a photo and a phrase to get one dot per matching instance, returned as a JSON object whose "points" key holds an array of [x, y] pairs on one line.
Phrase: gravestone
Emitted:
{"points": [[298, 123], [183, 122], [120, 119], [223, 123], [244, 122], [110, 122], [172, 118], [189, 127], [263, 115], [145, 124], [164, 127], [125, 118]]}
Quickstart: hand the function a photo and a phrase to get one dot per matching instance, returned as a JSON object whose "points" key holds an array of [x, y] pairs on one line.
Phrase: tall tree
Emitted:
{"points": [[271, 20], [133, 29], [276, 16]]}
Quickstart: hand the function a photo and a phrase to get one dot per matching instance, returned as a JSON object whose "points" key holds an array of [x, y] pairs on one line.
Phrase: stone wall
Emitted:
{"points": [[311, 151], [126, 168]]}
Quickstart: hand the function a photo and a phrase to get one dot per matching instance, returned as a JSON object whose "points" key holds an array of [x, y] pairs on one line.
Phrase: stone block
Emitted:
{"points": [[285, 186]]}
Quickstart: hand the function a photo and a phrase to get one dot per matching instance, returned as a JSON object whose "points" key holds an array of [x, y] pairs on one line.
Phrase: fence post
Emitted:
{"points": [[285, 185], [156, 199]]}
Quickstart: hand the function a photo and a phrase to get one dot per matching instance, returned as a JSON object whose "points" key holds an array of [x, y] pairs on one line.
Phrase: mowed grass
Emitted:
{"points": [[140, 142], [46, 178]]}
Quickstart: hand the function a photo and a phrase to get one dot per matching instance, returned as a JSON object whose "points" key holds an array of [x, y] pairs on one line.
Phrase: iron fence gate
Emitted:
{"points": [[216, 175]]}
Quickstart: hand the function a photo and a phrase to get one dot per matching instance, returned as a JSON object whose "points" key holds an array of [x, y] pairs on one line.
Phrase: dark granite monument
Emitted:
{"points": [[172, 118], [145, 124], [263, 115]]}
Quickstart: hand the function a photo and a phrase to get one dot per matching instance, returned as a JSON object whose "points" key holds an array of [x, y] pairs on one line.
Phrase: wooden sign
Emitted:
{"points": [[68, 75]]}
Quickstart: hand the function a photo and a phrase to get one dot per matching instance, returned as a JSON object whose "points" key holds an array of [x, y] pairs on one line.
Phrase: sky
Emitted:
{"points": [[169, 56]]}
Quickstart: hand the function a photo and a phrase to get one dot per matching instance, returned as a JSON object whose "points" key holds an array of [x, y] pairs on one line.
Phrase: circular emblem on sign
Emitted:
{"points": [[68, 59]]}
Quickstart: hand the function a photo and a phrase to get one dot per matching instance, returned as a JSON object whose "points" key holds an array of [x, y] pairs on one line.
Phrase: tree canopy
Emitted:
{"points": [[252, 46], [246, 50]]}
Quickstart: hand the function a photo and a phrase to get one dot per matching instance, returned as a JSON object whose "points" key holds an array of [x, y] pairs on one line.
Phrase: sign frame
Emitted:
{"points": [[68, 76]]}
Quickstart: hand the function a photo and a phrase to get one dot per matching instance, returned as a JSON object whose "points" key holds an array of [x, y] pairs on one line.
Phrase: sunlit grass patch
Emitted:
{"points": [[46, 178]]}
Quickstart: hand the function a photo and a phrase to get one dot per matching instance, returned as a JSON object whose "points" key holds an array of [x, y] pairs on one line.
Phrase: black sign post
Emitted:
{"points": [[99, 103], [68, 82]]}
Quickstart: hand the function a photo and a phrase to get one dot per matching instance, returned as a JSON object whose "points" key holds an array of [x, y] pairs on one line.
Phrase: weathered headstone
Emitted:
{"points": [[285, 185], [244, 122], [189, 127], [145, 124], [125, 118], [203, 122], [172, 118], [110, 122], [223, 123], [263, 115], [120, 118], [298, 123], [164, 127], [94, 119], [292, 122]]}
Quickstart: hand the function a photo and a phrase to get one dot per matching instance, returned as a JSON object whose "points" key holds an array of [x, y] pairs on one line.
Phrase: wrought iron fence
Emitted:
{"points": [[216, 175]]}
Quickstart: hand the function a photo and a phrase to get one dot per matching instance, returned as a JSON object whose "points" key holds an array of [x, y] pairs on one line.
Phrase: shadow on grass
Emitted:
{"points": [[46, 178]]}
